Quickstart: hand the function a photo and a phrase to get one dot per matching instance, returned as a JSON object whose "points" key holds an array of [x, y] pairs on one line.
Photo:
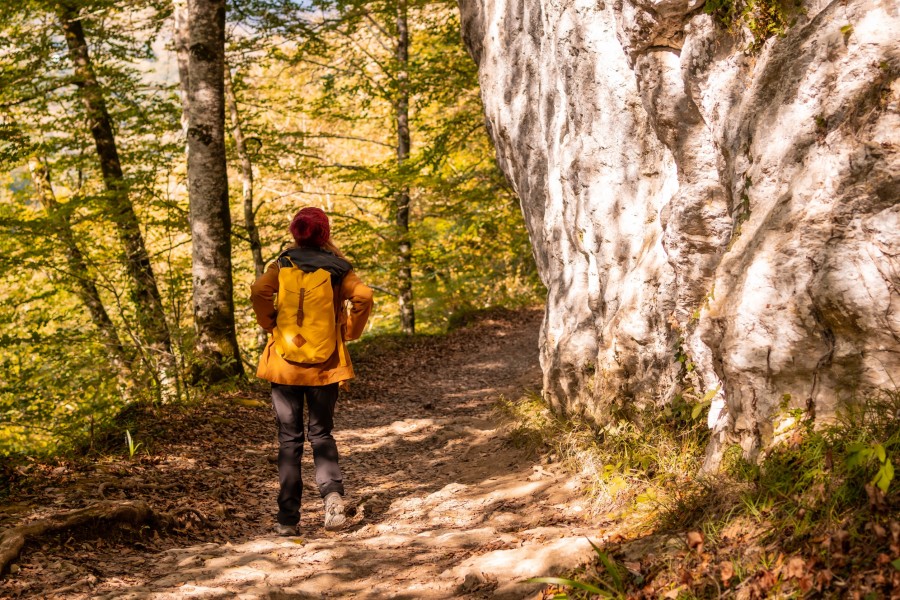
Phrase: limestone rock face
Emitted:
{"points": [[702, 214]]}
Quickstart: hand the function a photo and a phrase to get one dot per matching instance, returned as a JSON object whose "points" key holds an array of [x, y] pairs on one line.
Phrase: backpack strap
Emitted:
{"points": [[284, 261], [338, 301]]}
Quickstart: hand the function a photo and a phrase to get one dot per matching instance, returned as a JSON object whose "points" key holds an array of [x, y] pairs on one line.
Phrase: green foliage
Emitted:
{"points": [[861, 456], [762, 18], [49, 404], [828, 474], [470, 249]]}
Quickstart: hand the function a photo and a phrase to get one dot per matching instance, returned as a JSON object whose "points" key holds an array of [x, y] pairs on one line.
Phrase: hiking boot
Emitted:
{"points": [[334, 512], [287, 530]]}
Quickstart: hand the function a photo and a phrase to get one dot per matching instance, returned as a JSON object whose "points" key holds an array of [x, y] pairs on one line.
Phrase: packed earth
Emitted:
{"points": [[442, 504]]}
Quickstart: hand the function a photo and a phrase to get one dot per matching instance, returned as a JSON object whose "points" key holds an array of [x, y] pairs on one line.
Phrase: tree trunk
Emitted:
{"points": [[84, 284], [182, 39], [259, 265], [404, 245], [217, 353], [145, 293]]}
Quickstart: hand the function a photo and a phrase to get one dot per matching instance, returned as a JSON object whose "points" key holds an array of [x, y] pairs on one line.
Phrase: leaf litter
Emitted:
{"points": [[442, 505]]}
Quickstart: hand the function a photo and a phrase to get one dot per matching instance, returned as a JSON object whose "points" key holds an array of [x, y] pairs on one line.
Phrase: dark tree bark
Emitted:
{"points": [[217, 353], [145, 293], [402, 199], [78, 272], [259, 265]]}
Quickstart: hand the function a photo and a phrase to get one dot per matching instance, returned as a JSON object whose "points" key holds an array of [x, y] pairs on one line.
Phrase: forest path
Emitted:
{"points": [[445, 506]]}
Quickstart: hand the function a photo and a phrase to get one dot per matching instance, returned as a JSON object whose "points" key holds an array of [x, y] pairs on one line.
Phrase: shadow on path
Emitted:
{"points": [[445, 506]]}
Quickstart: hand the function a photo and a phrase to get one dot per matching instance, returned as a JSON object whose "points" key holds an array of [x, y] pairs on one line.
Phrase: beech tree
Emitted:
{"points": [[217, 355], [152, 318]]}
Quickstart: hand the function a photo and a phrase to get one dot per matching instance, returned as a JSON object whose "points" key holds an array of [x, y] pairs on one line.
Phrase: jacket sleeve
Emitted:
{"points": [[360, 297], [262, 296]]}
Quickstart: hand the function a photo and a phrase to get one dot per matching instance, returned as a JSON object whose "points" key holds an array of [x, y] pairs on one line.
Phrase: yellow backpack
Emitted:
{"points": [[306, 329]]}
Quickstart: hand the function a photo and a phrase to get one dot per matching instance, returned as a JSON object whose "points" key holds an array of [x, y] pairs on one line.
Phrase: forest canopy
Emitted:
{"points": [[368, 110]]}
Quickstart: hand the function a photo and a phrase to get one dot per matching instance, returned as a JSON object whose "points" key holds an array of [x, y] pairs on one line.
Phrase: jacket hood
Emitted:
{"points": [[312, 259]]}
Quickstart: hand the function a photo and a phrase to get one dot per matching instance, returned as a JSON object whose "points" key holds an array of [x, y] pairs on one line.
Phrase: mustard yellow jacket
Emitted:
{"points": [[276, 369]]}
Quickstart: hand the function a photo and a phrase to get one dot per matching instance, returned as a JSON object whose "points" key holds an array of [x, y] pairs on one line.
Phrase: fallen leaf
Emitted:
{"points": [[695, 540], [841, 541], [633, 567], [795, 568], [726, 572], [823, 578], [876, 496], [766, 580]]}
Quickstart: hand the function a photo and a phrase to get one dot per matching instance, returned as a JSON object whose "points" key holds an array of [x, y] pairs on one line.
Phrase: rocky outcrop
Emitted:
{"points": [[703, 200]]}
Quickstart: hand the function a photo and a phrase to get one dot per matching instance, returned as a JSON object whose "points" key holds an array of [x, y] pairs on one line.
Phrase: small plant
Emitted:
{"points": [[132, 446], [862, 455], [613, 587], [763, 18], [682, 357]]}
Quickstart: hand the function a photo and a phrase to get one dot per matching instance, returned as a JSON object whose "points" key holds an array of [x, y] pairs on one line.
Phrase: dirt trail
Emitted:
{"points": [[445, 506]]}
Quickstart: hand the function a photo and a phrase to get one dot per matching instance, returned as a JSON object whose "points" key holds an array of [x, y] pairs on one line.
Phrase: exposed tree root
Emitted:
{"points": [[130, 484], [131, 513], [188, 511]]}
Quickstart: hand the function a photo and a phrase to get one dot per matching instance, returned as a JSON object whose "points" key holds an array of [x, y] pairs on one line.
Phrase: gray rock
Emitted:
{"points": [[688, 197]]}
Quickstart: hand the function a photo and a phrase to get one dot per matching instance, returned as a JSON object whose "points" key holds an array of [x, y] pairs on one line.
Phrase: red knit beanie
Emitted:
{"points": [[310, 227]]}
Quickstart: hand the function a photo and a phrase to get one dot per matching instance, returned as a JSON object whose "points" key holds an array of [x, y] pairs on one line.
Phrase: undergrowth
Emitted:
{"points": [[624, 462], [762, 18], [818, 515]]}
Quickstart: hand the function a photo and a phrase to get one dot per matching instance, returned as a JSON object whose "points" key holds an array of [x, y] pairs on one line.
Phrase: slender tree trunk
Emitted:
{"points": [[259, 265], [404, 275], [145, 293], [237, 133], [217, 353], [80, 276], [182, 38]]}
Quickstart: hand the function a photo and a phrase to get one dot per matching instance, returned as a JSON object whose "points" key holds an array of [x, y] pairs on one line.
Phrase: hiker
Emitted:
{"points": [[301, 301]]}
